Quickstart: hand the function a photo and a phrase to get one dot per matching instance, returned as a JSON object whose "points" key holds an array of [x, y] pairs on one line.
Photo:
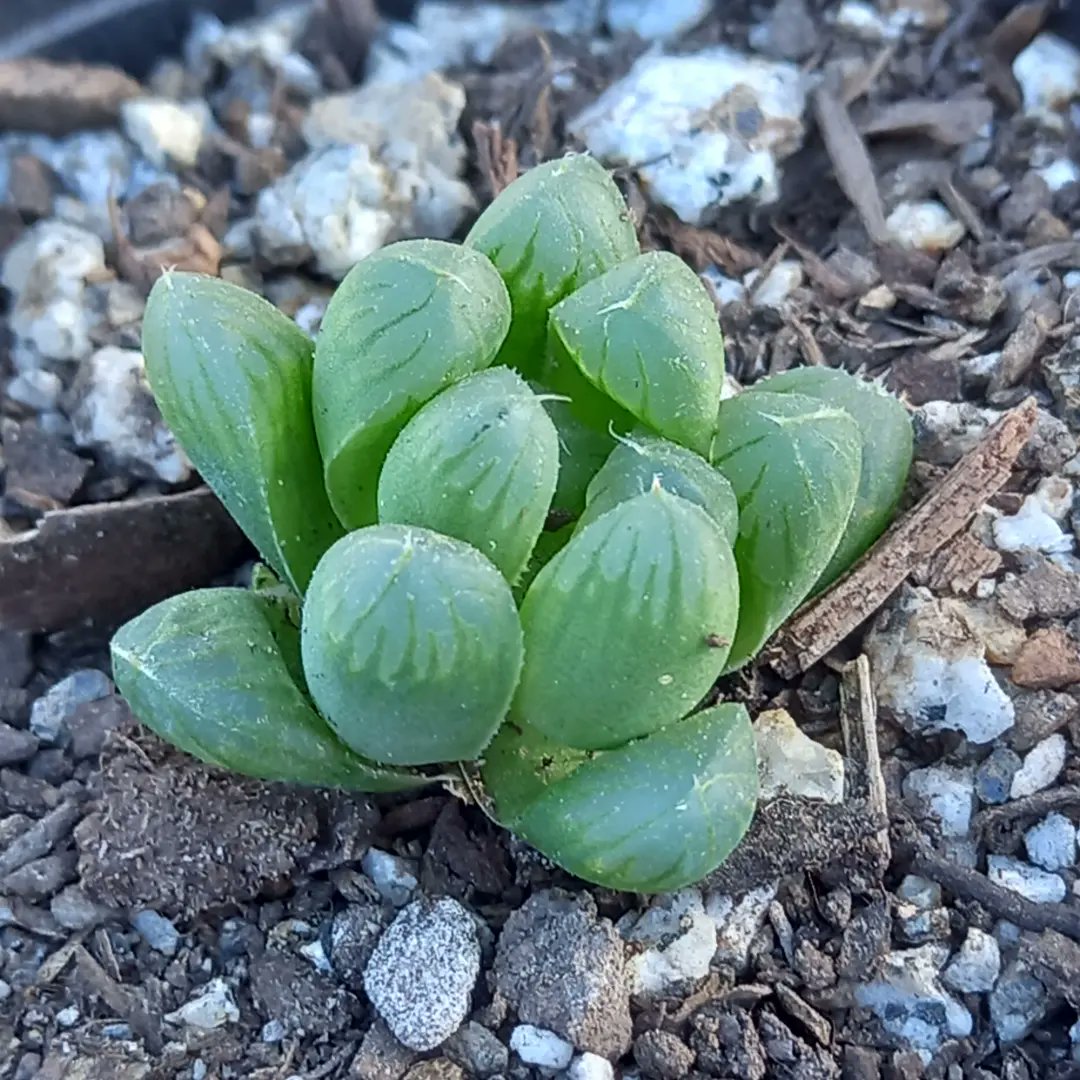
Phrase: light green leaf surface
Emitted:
{"points": [[651, 816], [411, 645], [478, 462], [887, 445], [232, 377], [794, 463], [645, 335], [405, 323], [582, 451], [556, 227], [640, 459], [628, 626], [205, 670]]}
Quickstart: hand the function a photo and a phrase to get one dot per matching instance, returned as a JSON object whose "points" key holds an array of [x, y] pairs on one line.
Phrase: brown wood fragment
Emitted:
{"points": [[58, 99], [1001, 902], [497, 156], [959, 565], [1060, 253], [858, 721], [851, 162], [826, 621], [954, 122], [107, 561], [122, 1000], [197, 251], [1019, 352], [1009, 38], [703, 248]]}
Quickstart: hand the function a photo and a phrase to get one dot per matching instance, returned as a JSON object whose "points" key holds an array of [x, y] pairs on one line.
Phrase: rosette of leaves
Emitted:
{"points": [[507, 526]]}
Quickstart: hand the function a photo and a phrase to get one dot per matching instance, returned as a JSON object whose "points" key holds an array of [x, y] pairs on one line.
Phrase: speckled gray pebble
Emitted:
{"points": [[422, 972], [563, 969]]}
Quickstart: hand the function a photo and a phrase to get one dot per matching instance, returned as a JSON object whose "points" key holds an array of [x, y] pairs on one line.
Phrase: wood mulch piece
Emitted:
{"points": [[824, 623], [58, 99], [108, 561]]}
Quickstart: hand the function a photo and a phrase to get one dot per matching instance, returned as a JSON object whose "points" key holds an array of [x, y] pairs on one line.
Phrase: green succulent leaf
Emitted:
{"points": [[548, 545], [640, 460], [628, 626], [646, 335], [232, 377], [479, 462], [887, 446], [794, 463], [411, 645], [583, 450], [556, 227], [405, 323], [206, 671], [651, 816]]}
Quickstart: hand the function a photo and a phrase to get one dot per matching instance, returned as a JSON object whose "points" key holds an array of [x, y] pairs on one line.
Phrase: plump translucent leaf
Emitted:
{"points": [[232, 377], [405, 323], [887, 440], [554, 228], [646, 335], [628, 626], [639, 460], [582, 451], [205, 670], [794, 463], [478, 462], [411, 645], [651, 816]]}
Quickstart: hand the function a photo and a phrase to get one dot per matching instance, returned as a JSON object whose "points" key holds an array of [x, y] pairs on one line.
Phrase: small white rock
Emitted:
{"points": [[651, 119], [392, 875], [540, 1047], [1018, 1003], [947, 792], [1060, 173], [1031, 528], [115, 412], [37, 389], [212, 1008], [739, 922], [68, 1017], [975, 967], [790, 762], [909, 1000], [727, 289], [1051, 843], [1048, 72], [930, 671], [46, 272], [681, 940], [781, 281], [1028, 881], [863, 20], [924, 226], [656, 20], [1041, 767], [590, 1067], [166, 131]]}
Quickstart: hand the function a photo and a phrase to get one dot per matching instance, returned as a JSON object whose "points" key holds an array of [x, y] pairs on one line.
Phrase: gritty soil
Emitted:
{"points": [[159, 918]]}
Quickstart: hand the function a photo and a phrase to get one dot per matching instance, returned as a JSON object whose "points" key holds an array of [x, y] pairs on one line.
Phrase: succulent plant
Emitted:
{"points": [[508, 526]]}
